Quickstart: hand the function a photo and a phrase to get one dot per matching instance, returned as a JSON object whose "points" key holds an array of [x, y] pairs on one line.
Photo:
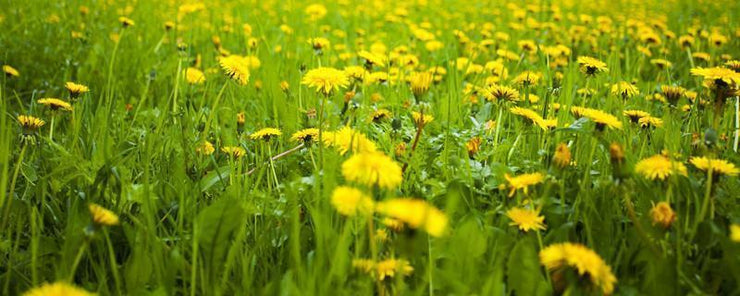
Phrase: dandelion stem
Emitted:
{"points": [[18, 164], [78, 258], [705, 203]]}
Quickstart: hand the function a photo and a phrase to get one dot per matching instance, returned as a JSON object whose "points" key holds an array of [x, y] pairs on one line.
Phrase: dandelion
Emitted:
{"points": [[421, 119], [650, 122], [307, 135], [57, 289], [319, 44], [718, 77], [75, 90], [347, 139], [372, 169], [591, 66], [716, 166], [473, 145], [102, 216], [527, 78], [602, 119], [29, 123], [635, 115], [236, 67], [659, 167], [420, 83], [350, 201], [383, 269], [501, 92], [662, 214], [371, 59], [587, 263], [523, 182], [624, 89], [526, 219], [126, 22], [55, 104], [205, 148], [661, 63], [325, 80], [315, 11], [672, 93], [234, 151], [415, 213], [194, 76], [266, 134], [10, 71], [735, 232], [534, 117], [379, 115], [562, 155]]}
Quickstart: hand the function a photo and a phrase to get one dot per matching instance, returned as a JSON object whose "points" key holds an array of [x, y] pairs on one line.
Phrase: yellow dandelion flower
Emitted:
{"points": [[205, 148], [601, 118], [325, 80], [421, 119], [527, 78], [319, 43], [307, 135], [534, 117], [415, 213], [420, 83], [661, 63], [586, 262], [523, 182], [55, 104], [350, 201], [735, 232], [473, 145], [500, 92], [315, 11], [591, 66], [75, 90], [372, 59], [526, 219], [194, 76], [234, 151], [635, 115], [57, 289], [372, 169], [650, 121], [659, 167], [10, 71], [562, 155], [102, 216], [662, 214], [717, 166], [236, 67], [30, 123], [672, 93], [383, 269], [347, 139], [126, 22], [266, 134], [380, 114], [718, 76], [625, 89]]}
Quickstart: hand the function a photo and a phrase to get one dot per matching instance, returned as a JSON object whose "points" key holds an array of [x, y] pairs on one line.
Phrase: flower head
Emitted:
{"points": [[659, 167], [307, 135], [420, 83], [718, 77], [601, 118], [205, 148], [735, 232], [266, 134], [591, 66], [351, 201], [383, 269], [55, 104], [501, 92], [126, 22], [371, 169], [75, 90], [562, 155], [102, 216], [717, 166], [10, 71], [421, 119], [523, 182], [194, 76], [57, 289], [662, 214], [416, 213], [372, 58], [625, 89], [635, 115], [325, 80], [347, 139], [236, 67], [556, 258], [234, 151], [30, 123], [526, 219]]}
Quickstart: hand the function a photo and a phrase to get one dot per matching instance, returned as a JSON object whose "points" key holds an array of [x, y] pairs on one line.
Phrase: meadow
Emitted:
{"points": [[423, 147]]}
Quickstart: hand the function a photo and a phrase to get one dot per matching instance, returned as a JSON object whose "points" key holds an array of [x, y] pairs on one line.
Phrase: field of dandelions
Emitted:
{"points": [[424, 147]]}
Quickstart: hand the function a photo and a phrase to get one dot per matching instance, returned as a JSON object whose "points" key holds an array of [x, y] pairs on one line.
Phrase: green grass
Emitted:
{"points": [[208, 225]]}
